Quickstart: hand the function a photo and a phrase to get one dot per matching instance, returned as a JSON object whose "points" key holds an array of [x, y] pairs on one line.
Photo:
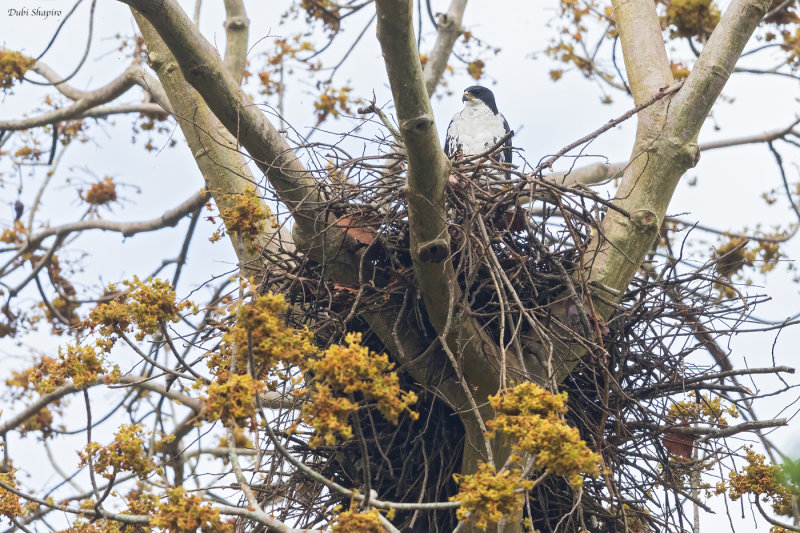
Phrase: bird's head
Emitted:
{"points": [[477, 95]]}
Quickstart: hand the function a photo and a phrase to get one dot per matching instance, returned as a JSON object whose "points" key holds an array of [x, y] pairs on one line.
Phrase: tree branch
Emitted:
{"points": [[639, 108], [428, 167], [203, 69], [449, 28], [666, 136], [601, 172], [764, 137], [738, 428], [590, 175], [85, 101], [272, 523], [170, 218], [224, 169], [237, 27], [122, 109], [65, 390], [141, 78], [312, 234], [716, 63], [271, 400]]}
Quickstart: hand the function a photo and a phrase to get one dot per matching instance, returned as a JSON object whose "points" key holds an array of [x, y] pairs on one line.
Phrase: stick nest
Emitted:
{"points": [[517, 242]]}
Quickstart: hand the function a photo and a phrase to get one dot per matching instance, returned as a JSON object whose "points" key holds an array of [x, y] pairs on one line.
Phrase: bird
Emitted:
{"points": [[19, 208], [478, 127]]}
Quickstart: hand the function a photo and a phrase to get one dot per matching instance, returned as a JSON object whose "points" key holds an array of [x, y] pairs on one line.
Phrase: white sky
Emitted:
{"points": [[545, 115]]}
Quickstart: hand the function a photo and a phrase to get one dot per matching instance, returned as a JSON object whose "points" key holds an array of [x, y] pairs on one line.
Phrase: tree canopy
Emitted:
{"points": [[377, 337]]}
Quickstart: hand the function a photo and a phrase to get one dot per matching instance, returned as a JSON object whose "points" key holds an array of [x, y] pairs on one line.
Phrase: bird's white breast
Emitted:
{"points": [[476, 128]]}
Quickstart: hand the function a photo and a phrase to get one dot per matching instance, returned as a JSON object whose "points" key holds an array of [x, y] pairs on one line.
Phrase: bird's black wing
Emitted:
{"points": [[507, 153], [450, 141]]}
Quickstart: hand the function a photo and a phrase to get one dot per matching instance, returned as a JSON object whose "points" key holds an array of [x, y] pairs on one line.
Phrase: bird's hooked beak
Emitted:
{"points": [[467, 96]]}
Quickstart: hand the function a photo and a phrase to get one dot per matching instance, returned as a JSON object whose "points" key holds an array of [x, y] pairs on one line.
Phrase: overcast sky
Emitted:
{"points": [[544, 115]]}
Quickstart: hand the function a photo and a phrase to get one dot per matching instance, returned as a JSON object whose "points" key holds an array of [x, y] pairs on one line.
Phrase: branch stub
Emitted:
{"points": [[434, 251], [416, 125]]}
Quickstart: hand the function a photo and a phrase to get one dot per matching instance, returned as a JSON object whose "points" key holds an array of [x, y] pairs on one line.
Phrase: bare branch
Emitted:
{"points": [[86, 101], [768, 518], [741, 428], [141, 78], [270, 400], [254, 506], [765, 137], [428, 169], [236, 31], [781, 237], [79, 511], [666, 135], [650, 180], [716, 63], [122, 109], [272, 523], [591, 175], [169, 218], [601, 172], [662, 93], [64, 390], [385, 120], [449, 28]]}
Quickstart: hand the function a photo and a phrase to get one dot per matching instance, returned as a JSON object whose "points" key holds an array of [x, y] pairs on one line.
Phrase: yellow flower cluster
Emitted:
{"points": [[81, 364], [187, 513], [261, 333], [14, 234], [102, 192], [690, 18], [332, 102], [146, 305], [350, 370], [708, 410], [533, 417], [235, 398], [9, 502], [126, 453], [791, 44], [486, 496], [761, 479], [340, 377], [13, 66], [246, 213], [98, 526], [354, 522]]}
